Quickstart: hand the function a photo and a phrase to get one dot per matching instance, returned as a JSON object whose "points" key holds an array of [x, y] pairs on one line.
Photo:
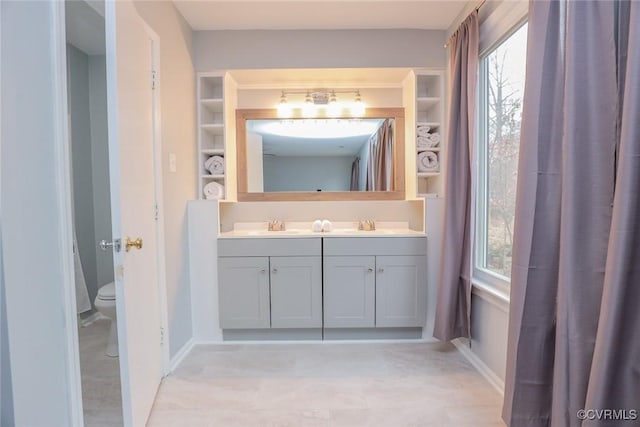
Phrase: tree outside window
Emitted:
{"points": [[503, 71]]}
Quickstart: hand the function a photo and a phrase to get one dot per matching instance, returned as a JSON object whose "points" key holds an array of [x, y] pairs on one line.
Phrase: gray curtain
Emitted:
{"points": [[355, 175], [379, 162], [454, 287], [575, 280]]}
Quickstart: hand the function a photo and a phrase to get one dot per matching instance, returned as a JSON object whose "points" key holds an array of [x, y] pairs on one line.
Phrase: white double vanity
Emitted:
{"points": [[250, 281], [344, 284]]}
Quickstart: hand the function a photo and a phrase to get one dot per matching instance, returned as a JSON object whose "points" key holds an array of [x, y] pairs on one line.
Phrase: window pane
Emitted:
{"points": [[504, 71]]}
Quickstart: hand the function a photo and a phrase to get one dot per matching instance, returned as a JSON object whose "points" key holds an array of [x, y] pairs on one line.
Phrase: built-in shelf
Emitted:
{"points": [[427, 101], [429, 107], [432, 125], [215, 128], [213, 103], [213, 151], [211, 128]]}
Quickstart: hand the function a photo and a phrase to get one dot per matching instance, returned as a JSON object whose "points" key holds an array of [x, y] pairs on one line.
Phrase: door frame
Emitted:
{"points": [[159, 196], [63, 169], [62, 165]]}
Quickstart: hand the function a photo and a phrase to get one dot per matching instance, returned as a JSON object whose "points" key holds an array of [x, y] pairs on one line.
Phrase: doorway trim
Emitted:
{"points": [[63, 170], [159, 198], [63, 173]]}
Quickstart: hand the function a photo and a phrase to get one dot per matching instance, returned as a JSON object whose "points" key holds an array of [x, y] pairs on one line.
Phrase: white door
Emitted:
{"points": [[131, 132]]}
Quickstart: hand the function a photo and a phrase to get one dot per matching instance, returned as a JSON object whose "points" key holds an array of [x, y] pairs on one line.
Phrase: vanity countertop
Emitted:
{"points": [[303, 230]]}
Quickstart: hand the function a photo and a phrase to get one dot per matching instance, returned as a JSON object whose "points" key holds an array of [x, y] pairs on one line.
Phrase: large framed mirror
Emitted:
{"points": [[299, 158]]}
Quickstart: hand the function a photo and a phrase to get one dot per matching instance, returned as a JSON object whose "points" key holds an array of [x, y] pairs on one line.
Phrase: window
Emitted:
{"points": [[502, 73]]}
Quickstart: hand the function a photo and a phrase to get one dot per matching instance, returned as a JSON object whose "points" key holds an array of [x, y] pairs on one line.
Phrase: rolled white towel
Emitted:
{"points": [[423, 130], [317, 226], [428, 162], [326, 225], [213, 190], [435, 139], [423, 143], [215, 165]]}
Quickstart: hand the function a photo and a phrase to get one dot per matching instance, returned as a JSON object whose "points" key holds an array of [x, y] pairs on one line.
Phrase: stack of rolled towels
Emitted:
{"points": [[428, 161], [213, 190], [215, 165], [322, 226], [426, 139]]}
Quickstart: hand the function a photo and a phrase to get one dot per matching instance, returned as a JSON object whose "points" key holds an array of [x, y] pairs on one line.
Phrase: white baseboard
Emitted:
{"points": [[318, 341], [477, 363], [181, 354]]}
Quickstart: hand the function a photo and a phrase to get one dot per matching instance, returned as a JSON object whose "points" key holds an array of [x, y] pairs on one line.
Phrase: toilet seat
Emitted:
{"points": [[107, 292]]}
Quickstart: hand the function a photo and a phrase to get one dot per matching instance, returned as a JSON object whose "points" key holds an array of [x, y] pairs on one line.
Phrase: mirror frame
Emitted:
{"points": [[242, 115]]}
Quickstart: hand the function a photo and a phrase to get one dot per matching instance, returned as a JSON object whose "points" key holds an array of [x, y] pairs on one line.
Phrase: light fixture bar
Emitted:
{"points": [[321, 98]]}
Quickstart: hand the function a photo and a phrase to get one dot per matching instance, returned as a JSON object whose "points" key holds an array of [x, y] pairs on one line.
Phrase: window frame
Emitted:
{"points": [[480, 274]]}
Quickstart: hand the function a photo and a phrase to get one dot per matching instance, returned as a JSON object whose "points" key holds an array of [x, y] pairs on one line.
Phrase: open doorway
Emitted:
{"points": [[94, 273]]}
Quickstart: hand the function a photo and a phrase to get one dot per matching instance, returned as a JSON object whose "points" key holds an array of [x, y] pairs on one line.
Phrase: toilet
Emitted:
{"points": [[106, 304]]}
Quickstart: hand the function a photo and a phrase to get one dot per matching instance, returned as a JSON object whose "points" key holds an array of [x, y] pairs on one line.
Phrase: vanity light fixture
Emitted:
{"points": [[318, 100]]}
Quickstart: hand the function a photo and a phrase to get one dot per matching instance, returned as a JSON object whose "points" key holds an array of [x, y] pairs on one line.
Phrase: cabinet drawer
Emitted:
{"points": [[375, 246], [269, 247]]}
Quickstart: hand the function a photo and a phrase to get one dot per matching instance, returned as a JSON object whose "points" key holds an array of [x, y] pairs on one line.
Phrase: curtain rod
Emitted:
{"points": [[477, 8]]}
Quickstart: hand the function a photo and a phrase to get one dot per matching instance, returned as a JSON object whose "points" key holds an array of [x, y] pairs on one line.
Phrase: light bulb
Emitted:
{"points": [[284, 109], [333, 109], [358, 107], [308, 109]]}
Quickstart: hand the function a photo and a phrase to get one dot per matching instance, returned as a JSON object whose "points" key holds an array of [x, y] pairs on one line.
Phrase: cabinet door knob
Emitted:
{"points": [[275, 270], [263, 271], [370, 270], [381, 270]]}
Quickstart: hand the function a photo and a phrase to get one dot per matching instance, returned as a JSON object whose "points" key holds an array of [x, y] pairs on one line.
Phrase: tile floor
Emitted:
{"points": [[101, 398], [326, 384]]}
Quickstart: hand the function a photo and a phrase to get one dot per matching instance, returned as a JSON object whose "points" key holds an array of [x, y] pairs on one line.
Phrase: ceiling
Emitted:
{"points": [[319, 15], [85, 26]]}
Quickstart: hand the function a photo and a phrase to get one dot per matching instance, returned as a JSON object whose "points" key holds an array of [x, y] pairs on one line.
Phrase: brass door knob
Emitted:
{"points": [[128, 243]]}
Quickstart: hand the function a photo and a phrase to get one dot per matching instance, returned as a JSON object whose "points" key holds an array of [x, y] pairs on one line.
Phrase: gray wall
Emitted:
{"points": [[83, 213], [256, 49], [307, 173], [87, 94], [100, 167], [489, 325]]}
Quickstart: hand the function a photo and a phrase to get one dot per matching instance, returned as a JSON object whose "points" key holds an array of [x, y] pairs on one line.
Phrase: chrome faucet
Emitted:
{"points": [[276, 225], [367, 225]]}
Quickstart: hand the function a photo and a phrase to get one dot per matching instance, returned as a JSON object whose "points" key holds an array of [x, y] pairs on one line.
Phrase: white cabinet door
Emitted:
{"points": [[349, 291], [244, 292], [400, 291], [296, 292]]}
